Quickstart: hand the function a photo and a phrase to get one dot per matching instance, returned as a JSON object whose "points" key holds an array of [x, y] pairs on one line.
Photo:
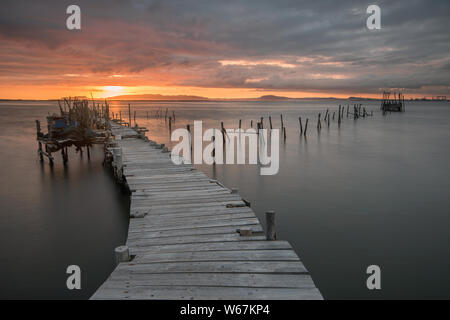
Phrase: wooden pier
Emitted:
{"points": [[190, 237]]}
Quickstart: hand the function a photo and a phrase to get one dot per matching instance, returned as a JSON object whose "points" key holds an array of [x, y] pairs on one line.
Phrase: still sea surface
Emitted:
{"points": [[375, 191]]}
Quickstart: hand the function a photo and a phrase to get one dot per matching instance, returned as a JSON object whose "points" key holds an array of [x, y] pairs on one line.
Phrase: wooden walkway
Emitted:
{"points": [[184, 242]]}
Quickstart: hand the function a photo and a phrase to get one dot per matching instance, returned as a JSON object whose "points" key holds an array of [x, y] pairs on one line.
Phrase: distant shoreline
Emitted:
{"points": [[230, 100]]}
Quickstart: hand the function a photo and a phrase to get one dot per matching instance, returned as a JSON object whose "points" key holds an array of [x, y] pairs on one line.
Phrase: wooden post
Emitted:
{"points": [[38, 133], [214, 148], [122, 254], [223, 133], [170, 124], [282, 124], [319, 124], [173, 115], [251, 123], [262, 125], [129, 115], [306, 127], [239, 123], [339, 115], [301, 127], [270, 122], [188, 127], [271, 233], [117, 157]]}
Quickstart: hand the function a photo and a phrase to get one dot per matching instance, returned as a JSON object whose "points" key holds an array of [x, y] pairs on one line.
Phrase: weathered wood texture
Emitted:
{"points": [[186, 242]]}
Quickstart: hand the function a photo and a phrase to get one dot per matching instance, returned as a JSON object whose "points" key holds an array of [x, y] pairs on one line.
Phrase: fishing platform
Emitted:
{"points": [[394, 104], [190, 237]]}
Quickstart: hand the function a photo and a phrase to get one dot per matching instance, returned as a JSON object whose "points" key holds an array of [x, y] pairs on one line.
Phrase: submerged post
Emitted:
{"points": [[270, 122], [271, 233]]}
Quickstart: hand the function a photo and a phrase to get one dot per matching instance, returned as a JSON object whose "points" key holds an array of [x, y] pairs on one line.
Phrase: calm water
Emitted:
{"points": [[53, 218], [374, 191]]}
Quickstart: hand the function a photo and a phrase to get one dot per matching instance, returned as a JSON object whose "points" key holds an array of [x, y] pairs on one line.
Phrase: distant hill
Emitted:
{"points": [[155, 97], [272, 97]]}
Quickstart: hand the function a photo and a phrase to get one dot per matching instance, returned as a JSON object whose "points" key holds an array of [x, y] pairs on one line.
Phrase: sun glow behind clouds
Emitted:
{"points": [[109, 91]]}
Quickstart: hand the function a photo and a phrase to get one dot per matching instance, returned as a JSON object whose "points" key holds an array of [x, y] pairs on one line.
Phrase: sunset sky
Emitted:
{"points": [[224, 49]]}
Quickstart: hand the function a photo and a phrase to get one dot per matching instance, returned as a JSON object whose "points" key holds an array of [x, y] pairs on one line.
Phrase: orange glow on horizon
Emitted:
{"points": [[40, 92]]}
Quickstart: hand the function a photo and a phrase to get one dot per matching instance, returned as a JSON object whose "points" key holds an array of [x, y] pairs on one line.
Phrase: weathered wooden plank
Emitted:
{"points": [[185, 218], [209, 293], [193, 239], [214, 267], [217, 246], [140, 234], [249, 280], [243, 255]]}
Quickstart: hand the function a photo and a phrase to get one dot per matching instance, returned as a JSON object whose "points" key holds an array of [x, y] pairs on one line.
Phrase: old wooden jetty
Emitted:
{"points": [[396, 103], [190, 237]]}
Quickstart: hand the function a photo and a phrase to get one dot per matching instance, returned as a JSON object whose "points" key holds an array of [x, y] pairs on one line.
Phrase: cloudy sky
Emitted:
{"points": [[224, 49]]}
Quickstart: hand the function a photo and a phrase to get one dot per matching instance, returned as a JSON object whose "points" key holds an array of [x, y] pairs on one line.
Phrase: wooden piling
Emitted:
{"points": [[129, 115], [271, 233], [270, 122], [223, 133], [38, 133], [300, 123], [339, 115], [122, 254], [306, 127]]}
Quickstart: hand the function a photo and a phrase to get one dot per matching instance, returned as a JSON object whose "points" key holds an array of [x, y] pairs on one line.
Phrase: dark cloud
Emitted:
{"points": [[325, 43]]}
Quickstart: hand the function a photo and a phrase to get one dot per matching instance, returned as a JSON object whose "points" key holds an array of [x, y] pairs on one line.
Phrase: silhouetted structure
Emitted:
{"points": [[394, 104]]}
